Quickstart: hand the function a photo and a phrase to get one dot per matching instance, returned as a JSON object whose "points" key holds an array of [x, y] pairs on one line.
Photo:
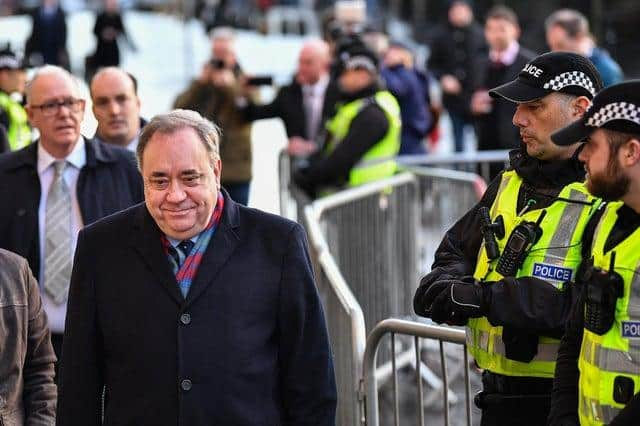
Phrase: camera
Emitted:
{"points": [[217, 64], [260, 80]]}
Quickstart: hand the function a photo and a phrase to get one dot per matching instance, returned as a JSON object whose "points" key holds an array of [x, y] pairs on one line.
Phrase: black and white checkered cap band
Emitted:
{"points": [[615, 111], [359, 61], [571, 78], [7, 61]]}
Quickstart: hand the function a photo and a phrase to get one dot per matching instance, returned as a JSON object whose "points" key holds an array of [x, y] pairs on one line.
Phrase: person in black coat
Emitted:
{"points": [[108, 27], [227, 332], [506, 58], [100, 180], [454, 49], [306, 103], [47, 43]]}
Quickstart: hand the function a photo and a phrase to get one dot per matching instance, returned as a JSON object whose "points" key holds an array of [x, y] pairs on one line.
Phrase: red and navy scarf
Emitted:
{"points": [[187, 271]]}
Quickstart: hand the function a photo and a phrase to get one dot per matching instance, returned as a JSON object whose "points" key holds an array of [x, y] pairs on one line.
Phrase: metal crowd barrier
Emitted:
{"points": [[369, 245], [477, 160], [365, 270], [393, 327]]}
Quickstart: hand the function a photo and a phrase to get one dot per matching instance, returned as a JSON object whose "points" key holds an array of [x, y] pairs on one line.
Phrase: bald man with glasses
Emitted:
{"points": [[54, 187]]}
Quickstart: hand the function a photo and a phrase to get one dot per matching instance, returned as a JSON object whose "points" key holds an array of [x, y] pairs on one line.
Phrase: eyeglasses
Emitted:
{"points": [[52, 108]]}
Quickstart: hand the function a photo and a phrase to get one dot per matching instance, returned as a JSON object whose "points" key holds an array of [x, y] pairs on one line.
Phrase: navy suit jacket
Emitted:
{"points": [[248, 345], [109, 182]]}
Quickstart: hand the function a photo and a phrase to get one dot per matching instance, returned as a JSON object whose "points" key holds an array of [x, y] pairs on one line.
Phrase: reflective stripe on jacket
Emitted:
{"points": [[18, 133], [387, 147], [614, 356], [554, 258]]}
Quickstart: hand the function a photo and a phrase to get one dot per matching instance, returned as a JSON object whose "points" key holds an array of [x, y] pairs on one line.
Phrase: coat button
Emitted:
{"points": [[185, 319], [186, 385]]}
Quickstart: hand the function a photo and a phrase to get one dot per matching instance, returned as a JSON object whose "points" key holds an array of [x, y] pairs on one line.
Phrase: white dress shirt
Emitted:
{"points": [[76, 160], [313, 101]]}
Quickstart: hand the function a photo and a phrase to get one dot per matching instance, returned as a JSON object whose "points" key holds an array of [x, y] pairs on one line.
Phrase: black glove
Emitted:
{"points": [[424, 296], [459, 300]]}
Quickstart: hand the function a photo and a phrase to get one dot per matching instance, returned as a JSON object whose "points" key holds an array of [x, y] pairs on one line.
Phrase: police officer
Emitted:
{"points": [[365, 127], [501, 268], [598, 370], [12, 115]]}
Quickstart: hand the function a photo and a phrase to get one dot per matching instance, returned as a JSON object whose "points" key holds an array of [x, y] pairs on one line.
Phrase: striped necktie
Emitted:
{"points": [[57, 245], [180, 253]]}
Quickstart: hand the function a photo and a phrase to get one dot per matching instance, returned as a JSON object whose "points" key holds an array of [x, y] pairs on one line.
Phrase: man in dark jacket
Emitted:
{"points": [[454, 49], [505, 60], [306, 103], [53, 188], [26, 370], [47, 43], [212, 317], [509, 291]]}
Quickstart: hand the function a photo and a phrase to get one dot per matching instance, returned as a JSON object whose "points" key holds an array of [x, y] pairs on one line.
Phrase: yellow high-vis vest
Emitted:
{"points": [[387, 148], [18, 133], [615, 356], [554, 258]]}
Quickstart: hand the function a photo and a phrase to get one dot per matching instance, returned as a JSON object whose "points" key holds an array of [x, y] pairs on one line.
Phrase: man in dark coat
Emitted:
{"points": [[87, 179], [454, 49], [307, 102], [47, 43], [506, 58], [212, 317]]}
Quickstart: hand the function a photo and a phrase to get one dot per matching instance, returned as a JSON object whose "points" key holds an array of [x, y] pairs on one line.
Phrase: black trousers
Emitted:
{"points": [[508, 401]]}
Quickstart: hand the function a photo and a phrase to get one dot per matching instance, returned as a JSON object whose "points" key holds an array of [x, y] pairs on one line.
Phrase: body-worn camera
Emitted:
{"points": [[603, 288], [490, 230], [520, 241]]}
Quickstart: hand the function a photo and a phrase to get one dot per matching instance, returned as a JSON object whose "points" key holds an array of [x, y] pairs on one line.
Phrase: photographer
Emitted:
{"points": [[213, 94]]}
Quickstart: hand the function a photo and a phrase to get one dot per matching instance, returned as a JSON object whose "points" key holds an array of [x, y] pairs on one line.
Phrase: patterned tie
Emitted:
{"points": [[180, 253], [57, 245]]}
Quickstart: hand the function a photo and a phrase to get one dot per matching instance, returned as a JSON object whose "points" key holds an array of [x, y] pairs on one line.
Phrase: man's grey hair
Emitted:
{"points": [[169, 123], [50, 70], [572, 21]]}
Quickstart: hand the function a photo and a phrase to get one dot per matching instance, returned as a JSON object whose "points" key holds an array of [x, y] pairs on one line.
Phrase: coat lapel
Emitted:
{"points": [[145, 239], [221, 247]]}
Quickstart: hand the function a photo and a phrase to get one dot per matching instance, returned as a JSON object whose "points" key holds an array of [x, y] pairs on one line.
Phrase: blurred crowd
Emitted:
{"points": [[358, 98]]}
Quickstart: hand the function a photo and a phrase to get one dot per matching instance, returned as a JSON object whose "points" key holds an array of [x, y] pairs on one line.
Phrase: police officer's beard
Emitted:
{"points": [[609, 186]]}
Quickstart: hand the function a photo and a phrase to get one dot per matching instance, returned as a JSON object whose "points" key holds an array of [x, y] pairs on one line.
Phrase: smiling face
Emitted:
{"points": [[605, 178], [538, 119], [181, 182]]}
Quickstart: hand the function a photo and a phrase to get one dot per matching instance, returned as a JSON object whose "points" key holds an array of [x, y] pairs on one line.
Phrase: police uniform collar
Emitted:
{"points": [[546, 174]]}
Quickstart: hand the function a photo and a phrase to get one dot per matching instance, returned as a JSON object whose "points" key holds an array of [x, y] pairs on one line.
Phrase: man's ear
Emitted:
{"points": [[631, 152], [580, 105]]}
